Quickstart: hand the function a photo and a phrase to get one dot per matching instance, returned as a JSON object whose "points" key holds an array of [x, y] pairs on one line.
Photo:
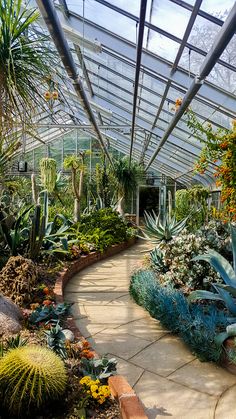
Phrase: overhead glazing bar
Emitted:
{"points": [[175, 65], [52, 21], [163, 32], [143, 7], [223, 38]]}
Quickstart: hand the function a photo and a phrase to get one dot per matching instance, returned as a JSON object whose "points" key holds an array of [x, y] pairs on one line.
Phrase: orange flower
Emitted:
{"points": [[47, 302], [46, 291], [85, 344], [224, 145], [86, 353]]}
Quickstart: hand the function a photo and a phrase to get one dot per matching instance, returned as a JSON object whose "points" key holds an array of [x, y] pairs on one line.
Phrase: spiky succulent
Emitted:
{"points": [[156, 230], [29, 376], [56, 340]]}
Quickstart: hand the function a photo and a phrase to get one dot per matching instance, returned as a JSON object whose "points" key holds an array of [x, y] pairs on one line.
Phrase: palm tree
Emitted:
{"points": [[128, 177]]}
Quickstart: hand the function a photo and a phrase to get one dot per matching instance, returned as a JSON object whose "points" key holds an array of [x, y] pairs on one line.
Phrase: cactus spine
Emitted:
{"points": [[30, 376]]}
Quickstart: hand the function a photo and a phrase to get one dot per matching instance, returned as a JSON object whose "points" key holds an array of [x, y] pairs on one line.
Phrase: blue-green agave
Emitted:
{"points": [[155, 230]]}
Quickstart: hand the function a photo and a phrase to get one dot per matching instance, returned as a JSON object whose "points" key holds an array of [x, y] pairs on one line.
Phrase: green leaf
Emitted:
{"points": [[204, 295], [221, 265]]}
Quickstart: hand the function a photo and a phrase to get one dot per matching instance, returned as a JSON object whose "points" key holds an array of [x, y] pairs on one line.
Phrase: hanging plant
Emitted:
{"points": [[48, 169], [219, 146]]}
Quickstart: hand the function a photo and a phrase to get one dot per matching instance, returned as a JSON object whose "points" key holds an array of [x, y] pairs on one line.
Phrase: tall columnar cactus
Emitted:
{"points": [[30, 376], [48, 169], [34, 189]]}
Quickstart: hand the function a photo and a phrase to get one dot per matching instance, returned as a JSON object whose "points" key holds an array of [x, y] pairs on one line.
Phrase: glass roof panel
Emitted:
{"points": [[203, 33], [217, 8], [162, 46], [105, 17], [166, 14], [224, 77]]}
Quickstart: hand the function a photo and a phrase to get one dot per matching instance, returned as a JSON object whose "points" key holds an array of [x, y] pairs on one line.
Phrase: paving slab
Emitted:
{"points": [[117, 343], [205, 377], [226, 406], [164, 356], [112, 314], [145, 328], [94, 298], [131, 372], [161, 397]]}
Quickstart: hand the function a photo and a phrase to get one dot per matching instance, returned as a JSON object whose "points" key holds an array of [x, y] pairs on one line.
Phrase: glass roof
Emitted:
{"points": [[102, 36]]}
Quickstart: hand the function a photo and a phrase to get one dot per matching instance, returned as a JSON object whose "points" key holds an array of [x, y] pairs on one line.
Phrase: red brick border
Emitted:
{"points": [[130, 406]]}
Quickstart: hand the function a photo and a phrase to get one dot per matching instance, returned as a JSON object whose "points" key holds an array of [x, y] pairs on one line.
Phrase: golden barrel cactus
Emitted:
{"points": [[30, 376]]}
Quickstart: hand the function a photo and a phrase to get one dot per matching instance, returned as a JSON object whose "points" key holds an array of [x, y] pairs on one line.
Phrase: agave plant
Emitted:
{"points": [[223, 292], [156, 231]]}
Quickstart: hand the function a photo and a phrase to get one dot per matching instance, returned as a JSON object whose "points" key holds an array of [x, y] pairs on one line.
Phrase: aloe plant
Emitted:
{"points": [[45, 235], [223, 292], [156, 230]]}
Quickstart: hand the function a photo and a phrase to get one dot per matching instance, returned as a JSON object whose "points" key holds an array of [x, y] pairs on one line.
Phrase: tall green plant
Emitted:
{"points": [[128, 178], [192, 200], [77, 166], [25, 61], [48, 169]]}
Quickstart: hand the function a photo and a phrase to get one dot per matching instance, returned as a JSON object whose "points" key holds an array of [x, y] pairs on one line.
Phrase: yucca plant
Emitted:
{"points": [[25, 62], [30, 376], [156, 231], [223, 292]]}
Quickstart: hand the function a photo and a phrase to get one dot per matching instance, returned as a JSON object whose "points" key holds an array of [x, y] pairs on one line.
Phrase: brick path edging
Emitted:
{"points": [[130, 405]]}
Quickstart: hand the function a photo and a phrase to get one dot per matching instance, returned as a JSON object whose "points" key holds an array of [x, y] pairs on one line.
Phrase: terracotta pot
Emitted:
{"points": [[225, 362]]}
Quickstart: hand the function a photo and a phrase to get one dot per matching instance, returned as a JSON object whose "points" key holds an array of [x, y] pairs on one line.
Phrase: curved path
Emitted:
{"points": [[169, 380]]}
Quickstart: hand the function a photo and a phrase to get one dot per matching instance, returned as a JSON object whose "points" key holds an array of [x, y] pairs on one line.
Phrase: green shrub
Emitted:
{"points": [[30, 376], [103, 228], [188, 199], [196, 324]]}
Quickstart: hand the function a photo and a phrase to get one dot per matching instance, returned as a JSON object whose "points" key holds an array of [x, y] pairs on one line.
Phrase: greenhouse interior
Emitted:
{"points": [[117, 209]]}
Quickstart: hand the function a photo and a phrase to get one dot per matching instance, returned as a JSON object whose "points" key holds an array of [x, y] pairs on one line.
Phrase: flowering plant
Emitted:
{"points": [[219, 147], [95, 390]]}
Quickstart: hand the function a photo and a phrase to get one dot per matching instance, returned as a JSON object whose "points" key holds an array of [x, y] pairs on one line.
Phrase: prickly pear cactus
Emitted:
{"points": [[17, 279], [30, 376]]}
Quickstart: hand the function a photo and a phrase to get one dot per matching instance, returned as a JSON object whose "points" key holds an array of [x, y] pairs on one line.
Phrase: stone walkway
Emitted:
{"points": [[169, 380]]}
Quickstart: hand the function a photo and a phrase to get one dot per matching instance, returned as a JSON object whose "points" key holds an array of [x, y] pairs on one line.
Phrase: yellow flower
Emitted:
{"points": [[95, 395], [93, 388], [85, 380]]}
